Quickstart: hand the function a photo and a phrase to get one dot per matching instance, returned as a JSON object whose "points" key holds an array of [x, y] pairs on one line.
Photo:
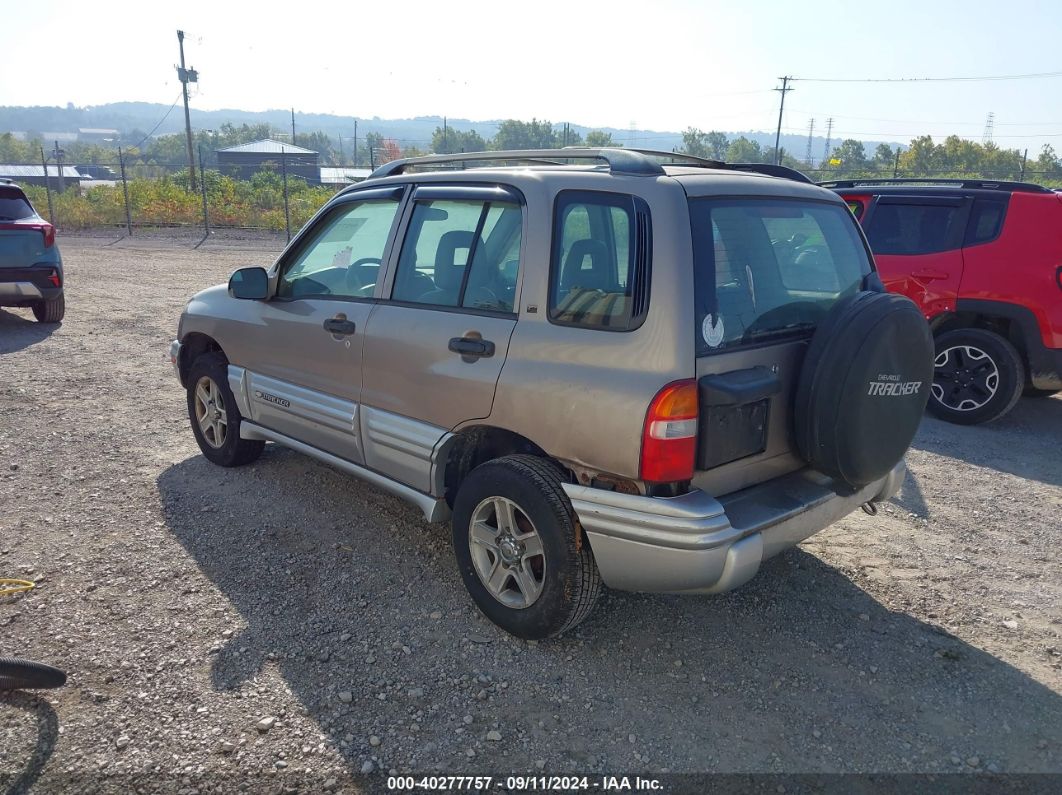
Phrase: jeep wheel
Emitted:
{"points": [[515, 541], [214, 415], [977, 377], [50, 311]]}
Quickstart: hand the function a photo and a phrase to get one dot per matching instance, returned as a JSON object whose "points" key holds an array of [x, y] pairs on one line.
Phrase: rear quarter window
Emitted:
{"points": [[14, 206]]}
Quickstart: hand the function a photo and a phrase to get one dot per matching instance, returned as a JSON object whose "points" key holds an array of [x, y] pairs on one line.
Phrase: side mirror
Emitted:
{"points": [[249, 283]]}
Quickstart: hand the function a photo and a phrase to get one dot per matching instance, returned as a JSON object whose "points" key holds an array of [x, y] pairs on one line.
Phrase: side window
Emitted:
{"points": [[599, 275], [342, 258], [913, 228], [986, 221], [461, 254]]}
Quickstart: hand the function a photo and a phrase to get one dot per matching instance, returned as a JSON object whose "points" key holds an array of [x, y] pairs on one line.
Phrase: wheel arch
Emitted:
{"points": [[463, 451], [194, 345]]}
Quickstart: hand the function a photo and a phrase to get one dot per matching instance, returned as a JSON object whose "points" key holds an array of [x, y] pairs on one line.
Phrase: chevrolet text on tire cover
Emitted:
{"points": [[606, 367]]}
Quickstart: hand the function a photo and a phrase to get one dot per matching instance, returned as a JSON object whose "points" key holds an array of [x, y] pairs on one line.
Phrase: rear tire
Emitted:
{"points": [[214, 415], [514, 535], [27, 675], [978, 377], [50, 311]]}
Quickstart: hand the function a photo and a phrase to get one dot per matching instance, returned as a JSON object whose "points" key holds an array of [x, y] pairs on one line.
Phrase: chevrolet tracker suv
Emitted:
{"points": [[598, 367], [31, 270], [983, 260]]}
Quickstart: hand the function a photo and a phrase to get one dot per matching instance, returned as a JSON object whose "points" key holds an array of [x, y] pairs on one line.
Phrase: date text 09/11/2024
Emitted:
{"points": [[524, 783]]}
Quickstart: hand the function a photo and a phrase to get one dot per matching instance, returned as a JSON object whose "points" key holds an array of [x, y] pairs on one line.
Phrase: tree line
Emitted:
{"points": [[922, 156]]}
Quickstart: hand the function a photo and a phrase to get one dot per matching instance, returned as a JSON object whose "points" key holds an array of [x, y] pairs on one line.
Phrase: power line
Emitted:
{"points": [[982, 78], [164, 117]]}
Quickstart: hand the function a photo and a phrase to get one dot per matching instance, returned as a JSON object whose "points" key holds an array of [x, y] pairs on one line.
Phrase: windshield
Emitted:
{"points": [[768, 269], [13, 205]]}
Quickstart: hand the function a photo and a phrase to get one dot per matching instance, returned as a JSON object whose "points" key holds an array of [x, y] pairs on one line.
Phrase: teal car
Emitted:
{"points": [[31, 269]]}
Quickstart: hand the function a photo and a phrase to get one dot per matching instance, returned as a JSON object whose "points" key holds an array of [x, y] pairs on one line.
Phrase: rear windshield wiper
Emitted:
{"points": [[760, 334]]}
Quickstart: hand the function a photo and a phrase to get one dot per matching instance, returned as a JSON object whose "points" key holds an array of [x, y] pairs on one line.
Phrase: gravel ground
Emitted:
{"points": [[283, 627]]}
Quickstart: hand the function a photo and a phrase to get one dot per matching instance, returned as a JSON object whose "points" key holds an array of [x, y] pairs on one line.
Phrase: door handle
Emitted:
{"points": [[929, 274], [339, 326], [471, 347]]}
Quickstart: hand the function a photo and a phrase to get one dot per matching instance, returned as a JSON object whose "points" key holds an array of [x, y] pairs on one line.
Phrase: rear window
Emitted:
{"points": [[768, 269], [14, 206]]}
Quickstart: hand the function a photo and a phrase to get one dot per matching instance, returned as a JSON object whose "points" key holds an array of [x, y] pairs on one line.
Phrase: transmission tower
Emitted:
{"points": [[990, 121], [829, 135], [811, 134]]}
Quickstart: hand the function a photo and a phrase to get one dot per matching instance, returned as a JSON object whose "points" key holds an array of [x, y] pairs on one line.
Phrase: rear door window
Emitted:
{"points": [[461, 253], [911, 228], [768, 269], [14, 205]]}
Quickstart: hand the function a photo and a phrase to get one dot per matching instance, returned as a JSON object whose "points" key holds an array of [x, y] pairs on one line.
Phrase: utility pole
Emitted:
{"points": [[293, 126], [811, 134], [342, 157], [59, 166], [355, 143], [829, 135], [446, 148], [202, 184], [47, 186], [785, 89], [896, 164], [187, 76], [1024, 157]]}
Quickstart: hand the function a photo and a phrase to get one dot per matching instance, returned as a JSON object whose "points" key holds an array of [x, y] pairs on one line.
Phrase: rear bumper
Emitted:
{"points": [[24, 286], [699, 544]]}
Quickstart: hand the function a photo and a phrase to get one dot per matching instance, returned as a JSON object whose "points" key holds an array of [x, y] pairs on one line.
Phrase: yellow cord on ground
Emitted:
{"points": [[8, 587]]}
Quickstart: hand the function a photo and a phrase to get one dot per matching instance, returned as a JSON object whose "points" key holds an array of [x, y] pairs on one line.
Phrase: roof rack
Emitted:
{"points": [[619, 161], [979, 184], [636, 162]]}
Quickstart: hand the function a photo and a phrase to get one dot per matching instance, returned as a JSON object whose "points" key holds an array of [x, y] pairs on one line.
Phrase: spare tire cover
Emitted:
{"points": [[863, 386]]}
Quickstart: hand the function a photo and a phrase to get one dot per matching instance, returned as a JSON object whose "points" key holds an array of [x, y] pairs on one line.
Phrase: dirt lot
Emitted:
{"points": [[283, 627]]}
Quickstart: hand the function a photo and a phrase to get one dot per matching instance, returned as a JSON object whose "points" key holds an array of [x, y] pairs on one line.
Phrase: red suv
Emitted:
{"points": [[983, 260]]}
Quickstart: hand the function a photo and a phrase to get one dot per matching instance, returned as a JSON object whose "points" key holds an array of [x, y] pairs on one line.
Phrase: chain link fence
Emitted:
{"points": [[273, 198], [157, 196]]}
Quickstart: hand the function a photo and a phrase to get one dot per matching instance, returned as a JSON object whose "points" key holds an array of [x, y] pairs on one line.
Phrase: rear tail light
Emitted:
{"points": [[53, 277], [49, 235], [669, 439]]}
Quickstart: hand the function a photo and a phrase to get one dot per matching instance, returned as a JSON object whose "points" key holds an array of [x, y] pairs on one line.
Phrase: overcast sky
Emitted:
{"points": [[657, 64]]}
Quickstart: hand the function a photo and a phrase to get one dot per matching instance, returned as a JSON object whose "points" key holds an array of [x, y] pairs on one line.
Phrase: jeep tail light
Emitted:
{"points": [[669, 439]]}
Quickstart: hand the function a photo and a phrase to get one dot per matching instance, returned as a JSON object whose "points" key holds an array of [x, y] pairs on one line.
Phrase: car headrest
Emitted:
{"points": [[576, 271], [448, 272]]}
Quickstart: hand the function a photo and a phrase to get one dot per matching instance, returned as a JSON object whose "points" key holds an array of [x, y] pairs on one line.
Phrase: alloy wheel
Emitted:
{"points": [[507, 552], [965, 378], [210, 412]]}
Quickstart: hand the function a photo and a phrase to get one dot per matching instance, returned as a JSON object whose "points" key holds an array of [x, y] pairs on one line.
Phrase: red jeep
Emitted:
{"points": [[983, 260]]}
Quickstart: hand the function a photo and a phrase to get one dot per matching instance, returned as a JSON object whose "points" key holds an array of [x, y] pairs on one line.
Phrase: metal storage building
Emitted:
{"points": [[246, 160]]}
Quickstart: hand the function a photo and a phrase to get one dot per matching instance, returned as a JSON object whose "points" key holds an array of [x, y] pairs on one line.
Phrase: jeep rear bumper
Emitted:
{"points": [[699, 544]]}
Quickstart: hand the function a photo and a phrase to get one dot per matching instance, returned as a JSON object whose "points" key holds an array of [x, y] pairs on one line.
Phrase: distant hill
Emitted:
{"points": [[134, 120]]}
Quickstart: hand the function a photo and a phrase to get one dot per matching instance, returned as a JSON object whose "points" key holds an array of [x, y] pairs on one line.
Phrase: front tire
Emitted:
{"points": [[514, 535], [51, 311], [978, 377], [214, 415]]}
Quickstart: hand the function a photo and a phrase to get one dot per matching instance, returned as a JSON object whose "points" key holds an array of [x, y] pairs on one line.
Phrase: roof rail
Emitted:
{"points": [[619, 161], [637, 162], [981, 184]]}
